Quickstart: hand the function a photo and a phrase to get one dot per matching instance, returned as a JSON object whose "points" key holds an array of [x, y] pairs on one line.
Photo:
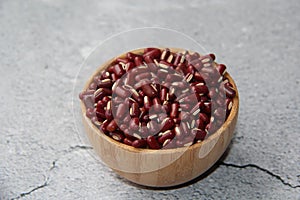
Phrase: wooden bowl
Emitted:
{"points": [[161, 168]]}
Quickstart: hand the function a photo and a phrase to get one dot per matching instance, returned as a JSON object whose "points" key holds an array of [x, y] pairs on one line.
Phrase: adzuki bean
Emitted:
{"points": [[166, 100]]}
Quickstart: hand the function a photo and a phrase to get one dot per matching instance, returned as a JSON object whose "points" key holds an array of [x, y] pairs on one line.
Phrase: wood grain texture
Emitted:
{"points": [[161, 168]]}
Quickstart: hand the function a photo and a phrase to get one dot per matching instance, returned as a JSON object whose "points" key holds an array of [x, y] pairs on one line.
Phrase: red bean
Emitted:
{"points": [[181, 68], [145, 75], [135, 111], [198, 77], [195, 55], [134, 124], [131, 56], [167, 124], [85, 93], [154, 53], [196, 109], [174, 110], [206, 59], [203, 117], [191, 69], [118, 70], [230, 92], [228, 104], [147, 102], [165, 64], [138, 61], [127, 141], [93, 86], [149, 90], [201, 89], [139, 143], [121, 110], [121, 92], [104, 125], [137, 97], [199, 134], [102, 92], [212, 56], [221, 69], [89, 101], [153, 127], [106, 83], [177, 59], [148, 59], [211, 127], [152, 142], [157, 104], [90, 112], [167, 106], [101, 105], [207, 107], [165, 54], [179, 132], [108, 114], [106, 99], [129, 66], [220, 113], [100, 114], [200, 124], [112, 126], [146, 50], [145, 118], [105, 75], [122, 60], [97, 121], [117, 136], [162, 73], [177, 120], [166, 135], [184, 127], [114, 77], [163, 94]]}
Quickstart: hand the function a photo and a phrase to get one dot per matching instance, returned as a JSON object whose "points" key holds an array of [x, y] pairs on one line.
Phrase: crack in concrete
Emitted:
{"points": [[261, 169], [80, 147], [46, 183], [76, 147], [23, 194]]}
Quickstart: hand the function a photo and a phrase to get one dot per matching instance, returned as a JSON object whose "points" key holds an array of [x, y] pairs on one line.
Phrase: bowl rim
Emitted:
{"points": [[213, 136]]}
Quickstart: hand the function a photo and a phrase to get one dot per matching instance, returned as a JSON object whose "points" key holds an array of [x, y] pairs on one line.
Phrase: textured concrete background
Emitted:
{"points": [[43, 43]]}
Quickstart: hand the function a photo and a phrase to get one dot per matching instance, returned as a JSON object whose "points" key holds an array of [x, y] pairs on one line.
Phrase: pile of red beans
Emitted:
{"points": [[160, 99]]}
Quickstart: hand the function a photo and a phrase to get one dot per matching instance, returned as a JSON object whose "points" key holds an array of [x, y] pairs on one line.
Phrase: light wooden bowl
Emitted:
{"points": [[161, 168]]}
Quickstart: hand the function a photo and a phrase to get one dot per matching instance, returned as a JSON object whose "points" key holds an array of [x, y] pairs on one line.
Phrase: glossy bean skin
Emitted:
{"points": [[135, 111], [118, 70], [112, 126], [138, 61], [167, 124], [152, 142], [121, 92], [174, 110], [168, 135], [117, 136], [139, 143], [149, 90], [131, 56], [154, 53], [230, 92]]}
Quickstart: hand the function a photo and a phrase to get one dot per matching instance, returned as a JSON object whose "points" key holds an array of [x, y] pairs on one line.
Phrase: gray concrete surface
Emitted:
{"points": [[43, 43]]}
